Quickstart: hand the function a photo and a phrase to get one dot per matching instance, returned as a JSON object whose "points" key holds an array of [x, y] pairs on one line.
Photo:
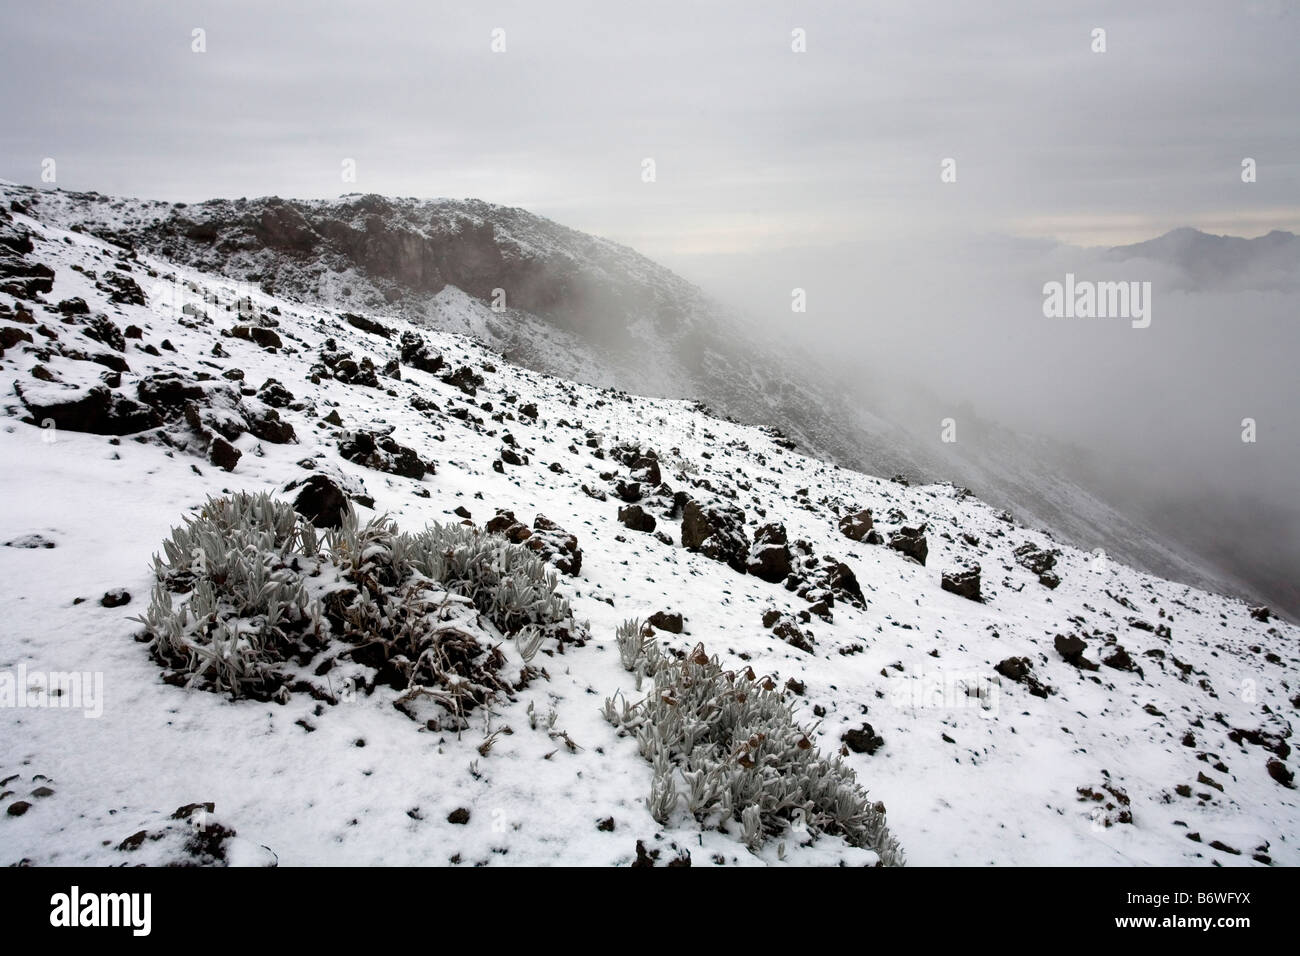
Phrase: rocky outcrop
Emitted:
{"points": [[716, 529], [964, 583], [911, 542], [551, 542], [382, 453], [1071, 649], [96, 409], [637, 518], [416, 353], [856, 526], [769, 557], [321, 501]]}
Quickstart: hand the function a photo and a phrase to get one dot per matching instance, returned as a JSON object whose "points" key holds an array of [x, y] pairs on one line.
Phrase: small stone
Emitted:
{"points": [[116, 597]]}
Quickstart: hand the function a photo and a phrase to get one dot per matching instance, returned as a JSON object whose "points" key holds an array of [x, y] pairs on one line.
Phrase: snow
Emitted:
{"points": [[366, 785]]}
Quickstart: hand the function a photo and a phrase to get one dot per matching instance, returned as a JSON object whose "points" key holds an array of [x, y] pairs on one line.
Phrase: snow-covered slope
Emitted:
{"points": [[1162, 741], [559, 301]]}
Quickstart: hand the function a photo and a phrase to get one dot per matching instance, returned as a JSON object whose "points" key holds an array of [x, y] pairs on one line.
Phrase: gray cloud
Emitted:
{"points": [[757, 147]]}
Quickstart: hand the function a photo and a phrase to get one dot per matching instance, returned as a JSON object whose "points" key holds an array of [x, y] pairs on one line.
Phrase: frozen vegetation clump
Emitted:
{"points": [[251, 600], [726, 745]]}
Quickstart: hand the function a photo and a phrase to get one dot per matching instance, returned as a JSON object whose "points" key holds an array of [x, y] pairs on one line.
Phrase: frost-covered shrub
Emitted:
{"points": [[632, 642], [242, 563], [726, 745], [263, 597]]}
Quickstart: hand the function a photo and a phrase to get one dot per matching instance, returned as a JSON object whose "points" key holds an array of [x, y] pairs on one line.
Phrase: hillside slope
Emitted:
{"points": [[559, 301], [1080, 712]]}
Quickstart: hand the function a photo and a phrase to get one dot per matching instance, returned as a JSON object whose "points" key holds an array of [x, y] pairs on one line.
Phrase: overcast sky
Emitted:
{"points": [[756, 147]]}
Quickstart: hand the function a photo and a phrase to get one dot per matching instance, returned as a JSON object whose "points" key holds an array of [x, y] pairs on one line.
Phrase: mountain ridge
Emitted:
{"points": [[597, 311]]}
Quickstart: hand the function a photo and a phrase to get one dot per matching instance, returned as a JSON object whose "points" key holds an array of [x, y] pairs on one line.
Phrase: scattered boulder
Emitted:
{"points": [[167, 392], [415, 353], [843, 583], [551, 542], [97, 409], [505, 523], [911, 542], [1071, 649], [102, 330], [637, 518], [116, 598], [367, 325], [769, 557], [1034, 559], [1120, 660], [382, 453], [555, 545], [1279, 772], [787, 629], [669, 621], [259, 335], [964, 583], [274, 395], [863, 740], [223, 454], [1020, 670], [321, 501], [465, 379], [856, 526], [716, 530], [629, 491]]}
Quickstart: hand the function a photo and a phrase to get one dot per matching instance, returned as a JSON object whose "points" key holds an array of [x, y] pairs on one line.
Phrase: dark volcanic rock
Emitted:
{"points": [[96, 410], [769, 557], [843, 583], [716, 530], [321, 501], [863, 741], [1071, 648], [1034, 559], [415, 353], [787, 629], [669, 621], [964, 583], [465, 379], [167, 392], [911, 542], [102, 330], [223, 454], [505, 523], [857, 525], [1020, 670], [382, 453], [367, 325], [116, 598], [552, 543], [637, 518]]}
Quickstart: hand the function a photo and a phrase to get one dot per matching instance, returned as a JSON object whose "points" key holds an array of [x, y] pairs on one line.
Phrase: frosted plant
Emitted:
{"points": [[632, 643], [732, 742], [262, 595]]}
